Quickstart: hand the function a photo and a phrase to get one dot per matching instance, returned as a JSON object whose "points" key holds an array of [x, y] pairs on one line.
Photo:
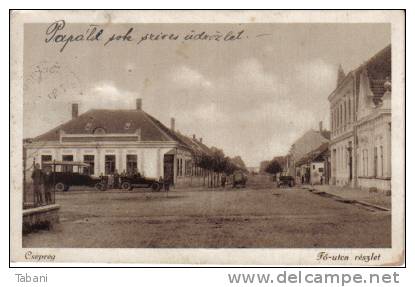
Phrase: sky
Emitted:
{"points": [[252, 97]]}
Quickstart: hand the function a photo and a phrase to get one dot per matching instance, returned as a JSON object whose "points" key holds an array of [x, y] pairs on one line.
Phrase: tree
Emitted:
{"points": [[273, 167], [239, 163]]}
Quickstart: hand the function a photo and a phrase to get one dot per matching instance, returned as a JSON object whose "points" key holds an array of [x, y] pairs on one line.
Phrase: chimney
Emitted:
{"points": [[201, 140], [194, 137], [74, 111], [172, 124], [138, 103], [320, 126]]}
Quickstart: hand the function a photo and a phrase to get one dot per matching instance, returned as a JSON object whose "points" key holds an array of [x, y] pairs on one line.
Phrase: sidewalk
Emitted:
{"points": [[356, 194]]}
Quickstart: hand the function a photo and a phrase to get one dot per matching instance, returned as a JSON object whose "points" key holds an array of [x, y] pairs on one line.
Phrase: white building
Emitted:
{"points": [[122, 140], [360, 123], [308, 142]]}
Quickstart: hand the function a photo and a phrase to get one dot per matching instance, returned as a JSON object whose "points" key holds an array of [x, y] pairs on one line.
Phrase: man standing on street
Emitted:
{"points": [[37, 176], [116, 179]]}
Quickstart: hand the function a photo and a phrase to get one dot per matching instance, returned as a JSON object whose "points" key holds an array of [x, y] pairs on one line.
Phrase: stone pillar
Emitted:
{"points": [[142, 159], [120, 166], [388, 153], [159, 164]]}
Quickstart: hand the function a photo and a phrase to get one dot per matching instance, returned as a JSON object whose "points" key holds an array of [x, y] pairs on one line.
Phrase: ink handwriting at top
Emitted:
{"points": [[54, 35], [126, 37]]}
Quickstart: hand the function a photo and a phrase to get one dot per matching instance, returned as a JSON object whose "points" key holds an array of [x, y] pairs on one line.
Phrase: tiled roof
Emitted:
{"points": [[112, 121], [314, 154], [196, 146], [325, 134], [378, 69], [123, 122]]}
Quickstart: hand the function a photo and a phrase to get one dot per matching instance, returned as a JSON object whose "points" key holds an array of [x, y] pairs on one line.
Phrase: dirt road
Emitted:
{"points": [[257, 216]]}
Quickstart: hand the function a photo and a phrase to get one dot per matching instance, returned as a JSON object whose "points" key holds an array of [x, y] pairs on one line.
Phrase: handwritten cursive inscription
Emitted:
{"points": [[57, 33]]}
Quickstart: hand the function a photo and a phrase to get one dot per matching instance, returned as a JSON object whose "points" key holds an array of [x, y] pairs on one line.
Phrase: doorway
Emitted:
{"points": [[168, 165]]}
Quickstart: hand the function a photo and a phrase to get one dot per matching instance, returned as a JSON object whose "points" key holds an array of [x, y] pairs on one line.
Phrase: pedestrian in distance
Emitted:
{"points": [[223, 180], [47, 183], [116, 179], [166, 185], [37, 177], [110, 181]]}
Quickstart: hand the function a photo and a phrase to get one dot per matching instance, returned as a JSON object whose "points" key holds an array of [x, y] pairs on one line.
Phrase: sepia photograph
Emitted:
{"points": [[233, 137]]}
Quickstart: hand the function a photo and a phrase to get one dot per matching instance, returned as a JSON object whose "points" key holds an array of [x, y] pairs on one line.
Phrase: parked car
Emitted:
{"points": [[239, 179], [128, 182], [285, 180], [65, 174]]}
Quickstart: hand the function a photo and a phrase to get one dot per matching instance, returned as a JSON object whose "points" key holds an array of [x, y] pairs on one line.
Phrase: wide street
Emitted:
{"points": [[260, 215]]}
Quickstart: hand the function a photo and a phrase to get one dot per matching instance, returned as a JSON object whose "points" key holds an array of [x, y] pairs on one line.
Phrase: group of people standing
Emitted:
{"points": [[42, 185], [112, 180]]}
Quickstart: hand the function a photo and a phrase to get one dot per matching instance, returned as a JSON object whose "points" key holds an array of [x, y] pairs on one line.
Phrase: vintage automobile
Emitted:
{"points": [[65, 174], [128, 182], [239, 179], [285, 180]]}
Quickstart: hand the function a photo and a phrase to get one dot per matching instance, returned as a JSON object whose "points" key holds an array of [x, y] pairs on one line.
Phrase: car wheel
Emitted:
{"points": [[100, 186], [126, 185], [155, 186], [59, 187]]}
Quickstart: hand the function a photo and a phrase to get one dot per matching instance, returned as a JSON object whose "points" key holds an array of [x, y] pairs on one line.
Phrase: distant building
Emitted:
{"points": [[360, 125], [308, 142], [253, 169], [122, 140], [263, 165], [314, 167]]}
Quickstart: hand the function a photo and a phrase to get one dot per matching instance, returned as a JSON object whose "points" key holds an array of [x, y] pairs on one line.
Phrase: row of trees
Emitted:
{"points": [[217, 164], [273, 167]]}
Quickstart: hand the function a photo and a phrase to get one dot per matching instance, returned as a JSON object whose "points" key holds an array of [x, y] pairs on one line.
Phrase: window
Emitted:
{"points": [[67, 168], [314, 167], [350, 109], [45, 158], [381, 161], [99, 131], [181, 167], [127, 125], [132, 163], [109, 164], [366, 162], [365, 170], [188, 167], [375, 162], [345, 114], [320, 169], [88, 126], [89, 159]]}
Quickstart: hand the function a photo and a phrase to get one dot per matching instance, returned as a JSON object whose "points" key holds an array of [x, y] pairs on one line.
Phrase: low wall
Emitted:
{"points": [[40, 217], [378, 183], [187, 181]]}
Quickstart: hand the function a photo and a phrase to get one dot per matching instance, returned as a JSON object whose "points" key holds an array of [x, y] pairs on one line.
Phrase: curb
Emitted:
{"points": [[345, 200]]}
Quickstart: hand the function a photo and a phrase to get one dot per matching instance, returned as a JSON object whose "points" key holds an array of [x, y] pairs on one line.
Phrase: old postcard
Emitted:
{"points": [[208, 137]]}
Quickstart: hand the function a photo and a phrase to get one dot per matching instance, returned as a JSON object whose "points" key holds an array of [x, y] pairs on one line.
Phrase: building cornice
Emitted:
{"points": [[341, 86], [374, 115], [342, 137], [55, 144]]}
